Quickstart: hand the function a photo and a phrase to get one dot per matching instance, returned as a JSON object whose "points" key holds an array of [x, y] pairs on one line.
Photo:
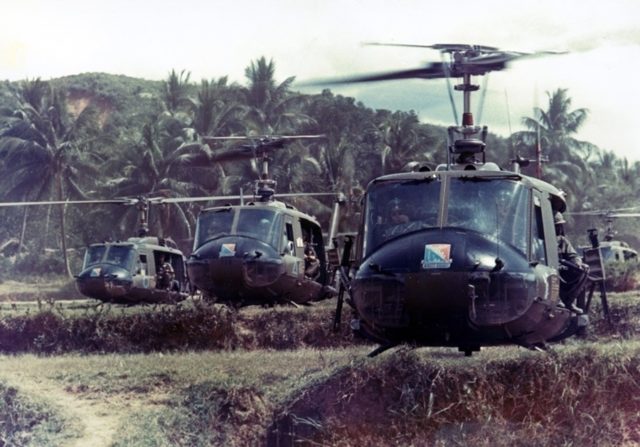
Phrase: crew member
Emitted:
{"points": [[311, 262], [573, 272], [166, 274]]}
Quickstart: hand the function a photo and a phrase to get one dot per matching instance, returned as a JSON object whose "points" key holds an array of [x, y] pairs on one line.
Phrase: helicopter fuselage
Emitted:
{"points": [[254, 254], [472, 261], [128, 272]]}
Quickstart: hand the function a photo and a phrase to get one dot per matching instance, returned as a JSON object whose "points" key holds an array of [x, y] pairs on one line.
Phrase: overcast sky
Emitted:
{"points": [[319, 39]]}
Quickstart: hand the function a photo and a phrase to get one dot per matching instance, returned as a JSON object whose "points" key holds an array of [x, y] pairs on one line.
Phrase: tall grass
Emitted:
{"points": [[586, 395], [25, 422], [193, 326]]}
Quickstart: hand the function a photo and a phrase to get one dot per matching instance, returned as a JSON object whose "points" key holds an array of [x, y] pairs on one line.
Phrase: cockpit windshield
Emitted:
{"points": [[213, 224], [93, 255], [396, 208], [256, 222], [260, 223], [121, 255], [496, 207]]}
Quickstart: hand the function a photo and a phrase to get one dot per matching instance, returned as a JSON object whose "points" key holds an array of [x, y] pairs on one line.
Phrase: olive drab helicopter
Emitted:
{"points": [[461, 256], [264, 251], [140, 269], [612, 249]]}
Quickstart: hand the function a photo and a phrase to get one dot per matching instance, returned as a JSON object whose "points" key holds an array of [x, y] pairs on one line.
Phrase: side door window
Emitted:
{"points": [[538, 245], [288, 243]]}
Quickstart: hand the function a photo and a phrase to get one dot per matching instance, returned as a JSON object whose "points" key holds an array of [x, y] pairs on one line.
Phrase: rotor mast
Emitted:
{"points": [[461, 138], [265, 186], [142, 205]]}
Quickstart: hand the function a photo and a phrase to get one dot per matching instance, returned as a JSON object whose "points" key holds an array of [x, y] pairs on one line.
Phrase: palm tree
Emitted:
{"points": [[175, 91], [216, 110], [400, 133], [154, 167], [555, 129], [45, 149], [272, 108]]}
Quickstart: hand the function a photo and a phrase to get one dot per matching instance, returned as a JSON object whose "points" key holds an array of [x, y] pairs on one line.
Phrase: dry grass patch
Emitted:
{"points": [[225, 398], [583, 394]]}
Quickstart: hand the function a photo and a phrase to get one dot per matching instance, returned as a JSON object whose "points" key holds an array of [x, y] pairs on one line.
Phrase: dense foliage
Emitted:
{"points": [[103, 136]]}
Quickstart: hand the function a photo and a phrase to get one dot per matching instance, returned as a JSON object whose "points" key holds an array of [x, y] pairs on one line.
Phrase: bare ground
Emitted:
{"points": [[93, 420]]}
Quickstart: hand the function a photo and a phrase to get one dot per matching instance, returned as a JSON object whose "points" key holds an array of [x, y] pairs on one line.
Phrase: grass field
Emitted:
{"points": [[77, 374]]}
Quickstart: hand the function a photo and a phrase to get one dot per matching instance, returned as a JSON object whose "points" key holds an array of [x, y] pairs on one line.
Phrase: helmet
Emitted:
{"points": [[558, 219]]}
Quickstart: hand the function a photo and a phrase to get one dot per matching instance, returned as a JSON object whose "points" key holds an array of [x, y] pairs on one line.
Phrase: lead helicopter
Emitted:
{"points": [[264, 251], [140, 269], [464, 256]]}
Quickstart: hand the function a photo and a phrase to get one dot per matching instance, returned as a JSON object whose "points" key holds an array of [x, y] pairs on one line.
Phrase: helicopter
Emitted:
{"points": [[613, 250], [140, 269], [264, 251], [461, 256]]}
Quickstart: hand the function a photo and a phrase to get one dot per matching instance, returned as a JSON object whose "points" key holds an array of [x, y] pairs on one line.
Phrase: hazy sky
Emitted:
{"points": [[319, 39]]}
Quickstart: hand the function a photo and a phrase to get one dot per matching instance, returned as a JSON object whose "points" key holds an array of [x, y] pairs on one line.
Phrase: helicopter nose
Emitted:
{"points": [[104, 282], [382, 300], [225, 265]]}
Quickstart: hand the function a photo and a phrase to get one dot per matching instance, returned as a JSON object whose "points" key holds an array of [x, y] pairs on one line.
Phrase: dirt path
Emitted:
{"points": [[95, 420]]}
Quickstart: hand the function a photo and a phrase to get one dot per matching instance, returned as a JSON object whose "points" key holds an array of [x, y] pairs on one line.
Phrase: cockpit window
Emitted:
{"points": [[121, 255], [213, 224], [497, 207], [93, 255], [397, 208], [261, 224]]}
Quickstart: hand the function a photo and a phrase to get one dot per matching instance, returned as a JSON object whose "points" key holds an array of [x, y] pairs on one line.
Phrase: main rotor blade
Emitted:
{"points": [[66, 202], [256, 145], [263, 138], [308, 194], [432, 71], [616, 215], [473, 60], [606, 213], [444, 47], [199, 199], [237, 153]]}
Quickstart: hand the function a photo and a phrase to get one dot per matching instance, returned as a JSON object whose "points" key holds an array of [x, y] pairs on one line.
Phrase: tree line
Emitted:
{"points": [[76, 140]]}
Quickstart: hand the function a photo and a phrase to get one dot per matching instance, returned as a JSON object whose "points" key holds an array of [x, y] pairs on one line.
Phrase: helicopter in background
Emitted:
{"points": [[141, 269], [464, 256], [264, 251], [613, 250]]}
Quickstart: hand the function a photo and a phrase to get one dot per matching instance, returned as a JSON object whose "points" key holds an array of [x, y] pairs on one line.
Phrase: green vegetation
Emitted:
{"points": [[26, 421], [622, 276], [55, 328], [200, 374], [579, 394], [103, 136]]}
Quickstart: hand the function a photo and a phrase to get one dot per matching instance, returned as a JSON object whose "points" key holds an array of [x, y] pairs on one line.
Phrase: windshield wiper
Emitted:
{"points": [[488, 178], [418, 181]]}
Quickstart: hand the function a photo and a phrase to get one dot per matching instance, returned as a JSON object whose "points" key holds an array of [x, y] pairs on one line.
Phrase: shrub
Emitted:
{"points": [[622, 276], [39, 264]]}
